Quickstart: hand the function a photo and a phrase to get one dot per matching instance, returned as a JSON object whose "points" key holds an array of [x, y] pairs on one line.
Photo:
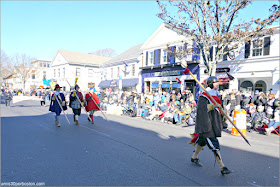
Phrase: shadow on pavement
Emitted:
{"points": [[115, 154]]}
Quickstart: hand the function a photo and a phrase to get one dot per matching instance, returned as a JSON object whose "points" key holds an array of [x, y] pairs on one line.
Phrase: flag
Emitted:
{"points": [[125, 63], [230, 76], [179, 81], [76, 80]]}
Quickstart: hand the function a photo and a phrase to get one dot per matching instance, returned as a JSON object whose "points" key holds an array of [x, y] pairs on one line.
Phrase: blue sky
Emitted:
{"points": [[40, 28]]}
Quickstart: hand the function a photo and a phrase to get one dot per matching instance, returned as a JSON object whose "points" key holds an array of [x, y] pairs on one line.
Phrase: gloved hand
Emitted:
{"points": [[53, 98], [224, 118], [83, 104], [212, 106], [73, 94]]}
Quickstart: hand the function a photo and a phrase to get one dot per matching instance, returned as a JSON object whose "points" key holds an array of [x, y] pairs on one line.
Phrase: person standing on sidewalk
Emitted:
{"points": [[56, 97], [8, 97], [75, 104], [209, 124], [43, 98]]}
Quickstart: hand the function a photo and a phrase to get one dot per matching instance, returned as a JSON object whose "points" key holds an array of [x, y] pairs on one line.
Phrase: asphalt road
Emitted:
{"points": [[124, 152]]}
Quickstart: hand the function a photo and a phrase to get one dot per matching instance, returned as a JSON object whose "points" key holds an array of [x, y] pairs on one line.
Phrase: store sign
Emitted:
{"points": [[167, 73], [113, 83], [219, 70]]}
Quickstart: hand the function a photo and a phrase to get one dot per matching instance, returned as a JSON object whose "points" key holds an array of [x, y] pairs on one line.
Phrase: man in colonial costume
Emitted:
{"points": [[57, 103], [92, 103], [76, 103], [209, 124]]}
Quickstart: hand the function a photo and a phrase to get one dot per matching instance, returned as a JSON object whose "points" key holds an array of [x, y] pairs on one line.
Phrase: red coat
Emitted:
{"points": [[90, 103]]}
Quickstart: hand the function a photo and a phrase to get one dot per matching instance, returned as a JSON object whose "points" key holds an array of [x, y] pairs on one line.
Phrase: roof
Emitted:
{"points": [[131, 53], [83, 58]]}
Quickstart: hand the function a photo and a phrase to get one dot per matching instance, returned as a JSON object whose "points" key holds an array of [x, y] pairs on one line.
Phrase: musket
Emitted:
{"points": [[81, 103], [92, 99], [186, 71], [59, 103]]}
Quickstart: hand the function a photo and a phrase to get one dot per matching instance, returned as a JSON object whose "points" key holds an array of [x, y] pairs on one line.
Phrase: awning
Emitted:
{"points": [[108, 83], [165, 85], [176, 85], [155, 85], [130, 82]]}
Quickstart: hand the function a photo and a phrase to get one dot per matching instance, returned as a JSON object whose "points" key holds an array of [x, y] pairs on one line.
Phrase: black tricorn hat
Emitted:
{"points": [[57, 86]]}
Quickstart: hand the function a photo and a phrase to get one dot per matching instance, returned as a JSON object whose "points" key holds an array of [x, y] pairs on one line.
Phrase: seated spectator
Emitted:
{"points": [[258, 117], [269, 107], [274, 123]]}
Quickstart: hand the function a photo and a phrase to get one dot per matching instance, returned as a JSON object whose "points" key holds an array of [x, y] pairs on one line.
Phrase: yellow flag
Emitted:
{"points": [[76, 80]]}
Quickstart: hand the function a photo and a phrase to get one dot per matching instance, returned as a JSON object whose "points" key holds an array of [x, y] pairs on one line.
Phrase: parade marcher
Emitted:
{"points": [[91, 106], [55, 106], [8, 97], [209, 124], [76, 103]]}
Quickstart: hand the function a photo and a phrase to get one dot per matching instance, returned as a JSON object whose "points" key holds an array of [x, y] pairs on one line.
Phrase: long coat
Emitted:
{"points": [[54, 106], [208, 123], [74, 102], [90, 103]]}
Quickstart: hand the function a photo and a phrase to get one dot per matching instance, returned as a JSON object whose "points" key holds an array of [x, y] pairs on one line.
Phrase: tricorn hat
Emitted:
{"points": [[57, 86]]}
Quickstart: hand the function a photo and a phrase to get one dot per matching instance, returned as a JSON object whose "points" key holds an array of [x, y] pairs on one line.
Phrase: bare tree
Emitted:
{"points": [[107, 52], [210, 23], [23, 68], [6, 65]]}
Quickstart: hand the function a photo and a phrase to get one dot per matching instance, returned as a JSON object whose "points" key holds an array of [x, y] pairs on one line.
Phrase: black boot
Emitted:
{"points": [[225, 171], [196, 162]]}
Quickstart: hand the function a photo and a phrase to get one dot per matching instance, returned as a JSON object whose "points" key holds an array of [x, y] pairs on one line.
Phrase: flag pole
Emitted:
{"points": [[186, 71], [81, 103], [59, 104]]}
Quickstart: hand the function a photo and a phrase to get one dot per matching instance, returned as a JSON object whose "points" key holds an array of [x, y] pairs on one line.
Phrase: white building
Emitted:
{"points": [[67, 65], [161, 71], [122, 72], [255, 67]]}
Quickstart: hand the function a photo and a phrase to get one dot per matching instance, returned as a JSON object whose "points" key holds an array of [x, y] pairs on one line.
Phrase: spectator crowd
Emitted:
{"points": [[179, 108]]}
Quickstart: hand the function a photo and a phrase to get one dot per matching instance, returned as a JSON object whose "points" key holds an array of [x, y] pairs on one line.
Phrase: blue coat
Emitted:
{"points": [[54, 106]]}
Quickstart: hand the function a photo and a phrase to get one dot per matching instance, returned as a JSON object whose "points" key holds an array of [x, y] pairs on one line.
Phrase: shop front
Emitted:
{"points": [[170, 77], [113, 84]]}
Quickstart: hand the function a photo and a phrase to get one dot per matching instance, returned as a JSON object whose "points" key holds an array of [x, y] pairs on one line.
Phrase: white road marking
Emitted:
{"points": [[252, 184], [95, 131]]}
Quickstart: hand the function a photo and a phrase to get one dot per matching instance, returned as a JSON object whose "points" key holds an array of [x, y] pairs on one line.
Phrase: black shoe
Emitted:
{"points": [[196, 162], [225, 171]]}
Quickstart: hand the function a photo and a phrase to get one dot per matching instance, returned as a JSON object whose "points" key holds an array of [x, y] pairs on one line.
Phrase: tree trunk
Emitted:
{"points": [[214, 66]]}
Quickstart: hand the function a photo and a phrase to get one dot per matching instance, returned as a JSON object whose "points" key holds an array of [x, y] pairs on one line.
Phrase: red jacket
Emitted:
{"points": [[90, 103]]}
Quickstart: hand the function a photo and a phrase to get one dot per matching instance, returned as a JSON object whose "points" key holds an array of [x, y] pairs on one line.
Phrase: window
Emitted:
{"points": [[118, 71], [44, 74], [257, 47], [133, 69], [111, 72], [48, 65], [54, 74], [58, 72], [164, 56], [63, 72], [125, 70], [147, 58], [90, 72], [33, 74], [151, 57], [78, 72]]}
